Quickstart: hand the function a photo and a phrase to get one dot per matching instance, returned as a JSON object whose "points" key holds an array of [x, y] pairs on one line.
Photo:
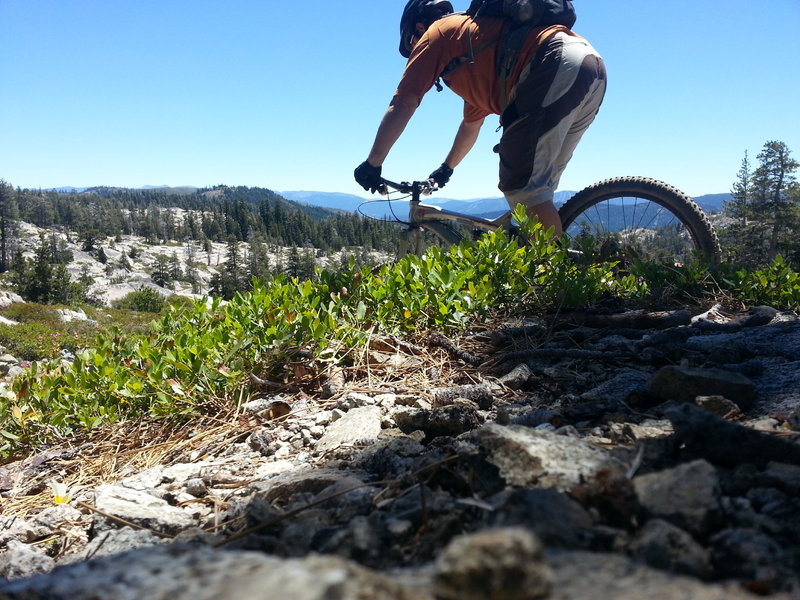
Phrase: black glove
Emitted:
{"points": [[441, 175], [369, 177]]}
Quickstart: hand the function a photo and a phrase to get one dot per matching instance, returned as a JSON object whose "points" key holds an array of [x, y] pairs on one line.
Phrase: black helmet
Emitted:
{"points": [[419, 11]]}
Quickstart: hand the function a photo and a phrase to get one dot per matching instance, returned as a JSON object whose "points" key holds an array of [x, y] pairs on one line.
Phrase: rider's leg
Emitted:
{"points": [[547, 213]]}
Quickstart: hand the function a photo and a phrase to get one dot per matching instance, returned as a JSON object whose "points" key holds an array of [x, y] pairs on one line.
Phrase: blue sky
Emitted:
{"points": [[287, 95]]}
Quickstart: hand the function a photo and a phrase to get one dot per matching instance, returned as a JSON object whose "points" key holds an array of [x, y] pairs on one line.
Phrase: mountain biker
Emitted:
{"points": [[551, 98]]}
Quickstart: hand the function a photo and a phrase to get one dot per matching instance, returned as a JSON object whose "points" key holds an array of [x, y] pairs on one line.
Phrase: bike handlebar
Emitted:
{"points": [[419, 187]]}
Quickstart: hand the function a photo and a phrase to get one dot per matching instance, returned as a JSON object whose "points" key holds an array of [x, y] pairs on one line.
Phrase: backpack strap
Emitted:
{"points": [[468, 58], [508, 55]]}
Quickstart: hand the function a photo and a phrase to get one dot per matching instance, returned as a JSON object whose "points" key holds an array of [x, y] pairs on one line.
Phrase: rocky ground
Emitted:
{"points": [[618, 455]]}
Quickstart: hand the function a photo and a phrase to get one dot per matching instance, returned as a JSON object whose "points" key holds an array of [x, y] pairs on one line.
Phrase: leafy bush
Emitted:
{"points": [[143, 300], [33, 342], [777, 285], [40, 334], [32, 312]]}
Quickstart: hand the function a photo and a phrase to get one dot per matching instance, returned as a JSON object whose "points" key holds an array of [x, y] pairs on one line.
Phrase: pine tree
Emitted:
{"points": [[258, 265], [160, 272], [772, 181], [765, 207], [175, 271], [741, 193], [8, 224]]}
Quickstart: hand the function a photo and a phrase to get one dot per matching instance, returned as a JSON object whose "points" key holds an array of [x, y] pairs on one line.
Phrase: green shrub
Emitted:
{"points": [[40, 334], [34, 341], [143, 300], [777, 285], [32, 312]]}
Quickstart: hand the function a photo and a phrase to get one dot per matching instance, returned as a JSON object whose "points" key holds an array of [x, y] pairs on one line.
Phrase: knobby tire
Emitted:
{"points": [[682, 207]]}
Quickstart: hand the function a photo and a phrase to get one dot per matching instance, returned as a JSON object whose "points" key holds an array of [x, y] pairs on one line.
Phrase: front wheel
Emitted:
{"points": [[640, 217]]}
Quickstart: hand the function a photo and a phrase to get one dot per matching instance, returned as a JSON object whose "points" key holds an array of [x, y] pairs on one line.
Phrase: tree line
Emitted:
{"points": [[258, 217], [208, 215]]}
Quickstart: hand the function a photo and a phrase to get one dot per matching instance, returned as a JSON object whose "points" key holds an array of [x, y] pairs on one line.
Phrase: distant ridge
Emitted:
{"points": [[351, 203], [182, 189], [348, 202]]}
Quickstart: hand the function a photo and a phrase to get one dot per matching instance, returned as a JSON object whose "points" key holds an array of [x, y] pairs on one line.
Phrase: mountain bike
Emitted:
{"points": [[635, 216]]}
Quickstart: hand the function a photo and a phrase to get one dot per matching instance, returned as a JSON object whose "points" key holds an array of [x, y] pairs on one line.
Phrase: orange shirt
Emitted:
{"points": [[477, 83]]}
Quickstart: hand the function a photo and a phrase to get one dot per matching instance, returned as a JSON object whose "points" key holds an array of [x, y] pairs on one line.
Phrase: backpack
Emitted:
{"points": [[534, 13], [523, 15]]}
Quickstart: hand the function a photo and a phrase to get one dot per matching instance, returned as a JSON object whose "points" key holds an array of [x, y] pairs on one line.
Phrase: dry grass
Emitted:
{"points": [[106, 455]]}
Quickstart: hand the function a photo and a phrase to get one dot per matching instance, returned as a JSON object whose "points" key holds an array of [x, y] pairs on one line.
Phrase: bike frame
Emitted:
{"points": [[422, 217], [697, 230]]}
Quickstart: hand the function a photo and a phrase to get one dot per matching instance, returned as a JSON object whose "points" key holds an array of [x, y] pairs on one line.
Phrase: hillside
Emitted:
{"points": [[131, 261]]}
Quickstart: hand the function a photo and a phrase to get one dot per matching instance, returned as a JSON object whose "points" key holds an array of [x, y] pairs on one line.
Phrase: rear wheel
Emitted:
{"points": [[639, 217]]}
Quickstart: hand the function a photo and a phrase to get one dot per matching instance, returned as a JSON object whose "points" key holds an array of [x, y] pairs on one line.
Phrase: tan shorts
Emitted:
{"points": [[555, 101]]}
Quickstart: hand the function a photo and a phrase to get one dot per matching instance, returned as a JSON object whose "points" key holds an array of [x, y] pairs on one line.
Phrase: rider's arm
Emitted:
{"points": [[397, 116], [465, 139]]}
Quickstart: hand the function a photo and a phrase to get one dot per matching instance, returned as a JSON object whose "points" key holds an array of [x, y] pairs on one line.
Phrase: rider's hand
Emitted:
{"points": [[441, 175], [369, 177]]}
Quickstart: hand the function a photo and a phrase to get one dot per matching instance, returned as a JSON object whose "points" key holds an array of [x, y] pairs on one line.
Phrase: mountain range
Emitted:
{"points": [[485, 207], [377, 206]]}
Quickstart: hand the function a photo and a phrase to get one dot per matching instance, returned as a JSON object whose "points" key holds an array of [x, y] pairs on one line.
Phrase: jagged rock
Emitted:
{"points": [[450, 420], [782, 476], [358, 424], [353, 400], [68, 315], [22, 560], [501, 564], [141, 508], [393, 501], [664, 546], [181, 572], [752, 555], [15, 528], [114, 541], [480, 393], [155, 477], [688, 496], [556, 518], [302, 481], [537, 458], [7, 363], [721, 442], [8, 298], [620, 387], [684, 385], [517, 377], [40, 525], [605, 576], [55, 517]]}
